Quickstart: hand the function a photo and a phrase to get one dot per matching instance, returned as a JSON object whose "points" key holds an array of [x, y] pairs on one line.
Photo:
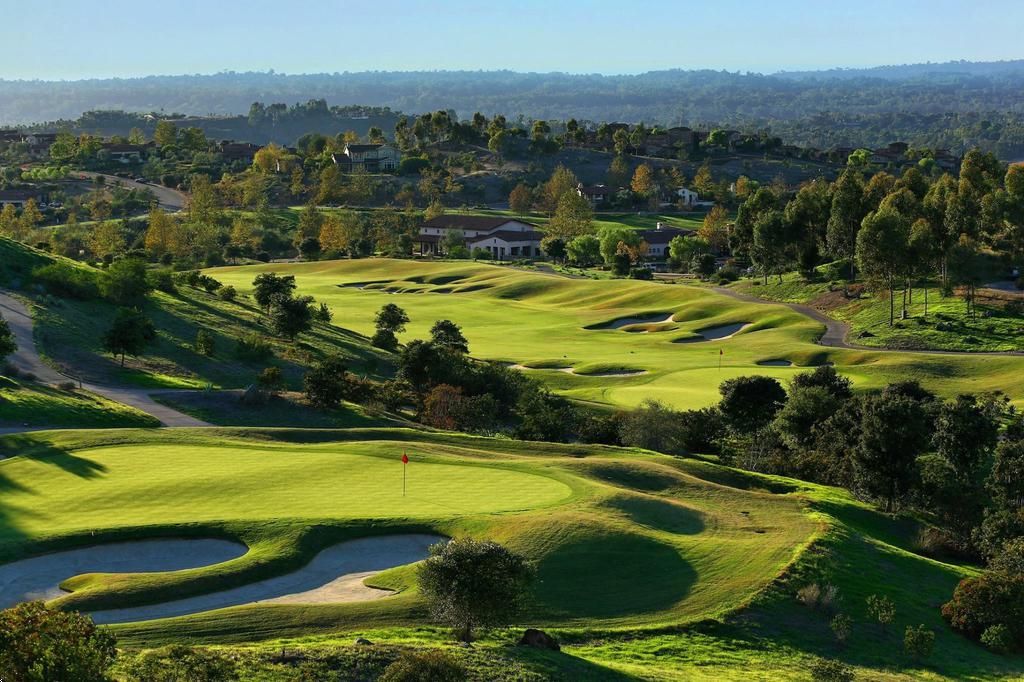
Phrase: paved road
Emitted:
{"points": [[27, 359], [169, 199], [836, 331]]}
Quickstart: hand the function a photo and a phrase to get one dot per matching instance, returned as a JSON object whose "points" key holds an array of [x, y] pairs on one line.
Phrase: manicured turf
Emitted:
{"points": [[540, 320], [27, 403], [635, 551]]}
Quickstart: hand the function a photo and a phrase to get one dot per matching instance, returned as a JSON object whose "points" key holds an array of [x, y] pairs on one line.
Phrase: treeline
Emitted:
{"points": [[897, 232], [746, 101]]}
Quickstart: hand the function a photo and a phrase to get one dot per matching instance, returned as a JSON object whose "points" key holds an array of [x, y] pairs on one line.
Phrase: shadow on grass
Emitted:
{"points": [[47, 453], [557, 665]]}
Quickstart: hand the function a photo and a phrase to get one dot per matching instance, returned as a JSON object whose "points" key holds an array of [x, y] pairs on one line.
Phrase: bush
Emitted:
{"points": [[67, 386], [270, 379], [480, 253], [725, 275], [227, 293], [177, 663], [918, 642], [162, 280], [205, 343], [412, 165], [842, 627], [426, 666], [459, 252], [37, 643], [818, 597], [827, 670], [253, 347], [641, 273], [67, 281], [324, 384], [700, 430], [385, 340], [998, 638], [993, 598]]}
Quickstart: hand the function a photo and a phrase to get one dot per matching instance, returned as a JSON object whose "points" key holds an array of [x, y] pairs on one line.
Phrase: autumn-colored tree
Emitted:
{"points": [[519, 199], [330, 187], [166, 133], [267, 158], [715, 230], [244, 235], [702, 181], [163, 235], [643, 182], [107, 239], [9, 221], [202, 202]]}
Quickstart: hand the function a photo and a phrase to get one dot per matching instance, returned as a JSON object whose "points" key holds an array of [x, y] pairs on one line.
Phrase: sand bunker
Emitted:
{"points": [[39, 577], [775, 363], [715, 333], [334, 575], [619, 323], [570, 370]]}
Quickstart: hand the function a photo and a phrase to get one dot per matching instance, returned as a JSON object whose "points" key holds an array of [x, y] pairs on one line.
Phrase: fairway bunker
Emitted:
{"points": [[715, 333], [643, 318], [334, 576], [39, 577], [571, 370]]}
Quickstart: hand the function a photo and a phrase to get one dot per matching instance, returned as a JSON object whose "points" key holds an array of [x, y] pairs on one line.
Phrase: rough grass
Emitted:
{"points": [[27, 403], [544, 320]]}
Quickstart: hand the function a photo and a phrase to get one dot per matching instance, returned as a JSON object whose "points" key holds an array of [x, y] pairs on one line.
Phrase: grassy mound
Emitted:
{"points": [[27, 403], [514, 315]]}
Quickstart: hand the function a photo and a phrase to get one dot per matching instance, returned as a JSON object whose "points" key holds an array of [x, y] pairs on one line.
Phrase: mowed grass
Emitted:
{"points": [[547, 321], [27, 403]]}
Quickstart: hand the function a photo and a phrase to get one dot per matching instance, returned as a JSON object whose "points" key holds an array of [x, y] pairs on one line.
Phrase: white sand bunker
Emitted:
{"points": [[39, 577], [619, 323], [570, 370], [715, 333], [335, 575]]}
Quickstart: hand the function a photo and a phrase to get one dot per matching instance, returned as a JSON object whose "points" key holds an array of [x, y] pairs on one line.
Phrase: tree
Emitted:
{"points": [[129, 333], [519, 199], [268, 286], [845, 215], [7, 343], [965, 434], [573, 216], [561, 182], [448, 335], [883, 250], [107, 240], [806, 407], [470, 584], [205, 342], [125, 282], [715, 229], [683, 249], [652, 426], [750, 403], [881, 609], [584, 250], [918, 642], [164, 235], [894, 431], [554, 247], [390, 321], [38, 644], [612, 236], [770, 247], [324, 384], [643, 182], [289, 316], [166, 134], [202, 202], [703, 264]]}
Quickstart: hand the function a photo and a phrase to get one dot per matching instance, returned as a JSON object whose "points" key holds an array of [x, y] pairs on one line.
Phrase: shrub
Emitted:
{"points": [[324, 384], [725, 275], [480, 253], [918, 642], [68, 281], [253, 347], [435, 666], [459, 252], [470, 583], [993, 598], [385, 340], [998, 638], [641, 273], [270, 379], [177, 662], [67, 386], [700, 430], [412, 165], [227, 293], [323, 314], [205, 342], [827, 670], [125, 282], [818, 597], [881, 609], [37, 643], [842, 627], [162, 280]]}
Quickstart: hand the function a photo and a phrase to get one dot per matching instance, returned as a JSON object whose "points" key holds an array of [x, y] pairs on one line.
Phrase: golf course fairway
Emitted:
{"points": [[512, 315]]}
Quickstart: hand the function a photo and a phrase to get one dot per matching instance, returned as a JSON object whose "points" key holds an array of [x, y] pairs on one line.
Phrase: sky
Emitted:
{"points": [[74, 39]]}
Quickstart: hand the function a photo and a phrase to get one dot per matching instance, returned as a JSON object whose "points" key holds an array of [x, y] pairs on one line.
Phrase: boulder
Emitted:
{"points": [[539, 639], [363, 641]]}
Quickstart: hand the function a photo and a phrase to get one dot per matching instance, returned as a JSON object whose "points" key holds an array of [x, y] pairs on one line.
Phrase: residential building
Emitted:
{"points": [[242, 152], [504, 238], [596, 194], [659, 238], [126, 153], [372, 158], [687, 197], [16, 197]]}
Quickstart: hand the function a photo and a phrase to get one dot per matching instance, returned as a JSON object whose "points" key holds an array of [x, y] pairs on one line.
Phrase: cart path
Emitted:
{"points": [[27, 359], [836, 331]]}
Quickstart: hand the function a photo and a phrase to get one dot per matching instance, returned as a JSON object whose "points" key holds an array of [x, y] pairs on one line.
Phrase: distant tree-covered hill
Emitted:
{"points": [[955, 105]]}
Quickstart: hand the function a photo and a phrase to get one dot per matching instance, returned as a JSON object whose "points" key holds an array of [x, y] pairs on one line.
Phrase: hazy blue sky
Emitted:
{"points": [[67, 39]]}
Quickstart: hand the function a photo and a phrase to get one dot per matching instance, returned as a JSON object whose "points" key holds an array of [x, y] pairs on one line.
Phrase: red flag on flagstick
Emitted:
{"points": [[405, 460]]}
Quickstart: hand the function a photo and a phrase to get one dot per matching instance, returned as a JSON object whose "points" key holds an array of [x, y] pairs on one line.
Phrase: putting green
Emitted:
{"points": [[541, 320], [165, 484]]}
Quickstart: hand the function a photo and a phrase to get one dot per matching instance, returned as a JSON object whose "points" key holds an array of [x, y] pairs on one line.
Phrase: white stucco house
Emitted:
{"points": [[504, 238]]}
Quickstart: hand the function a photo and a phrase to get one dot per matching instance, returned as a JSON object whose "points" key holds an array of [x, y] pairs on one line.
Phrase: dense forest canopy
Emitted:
{"points": [[957, 105]]}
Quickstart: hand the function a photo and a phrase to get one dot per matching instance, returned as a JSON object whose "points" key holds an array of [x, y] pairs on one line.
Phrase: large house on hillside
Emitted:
{"points": [[16, 197], [504, 238], [658, 240], [243, 152], [126, 153], [371, 158], [596, 194]]}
